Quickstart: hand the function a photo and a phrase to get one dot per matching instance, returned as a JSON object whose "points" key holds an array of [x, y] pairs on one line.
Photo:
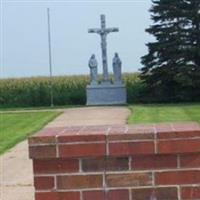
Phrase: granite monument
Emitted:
{"points": [[105, 92]]}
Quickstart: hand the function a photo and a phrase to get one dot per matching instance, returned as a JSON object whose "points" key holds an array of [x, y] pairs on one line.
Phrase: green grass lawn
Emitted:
{"points": [[5, 108], [151, 113], [15, 127]]}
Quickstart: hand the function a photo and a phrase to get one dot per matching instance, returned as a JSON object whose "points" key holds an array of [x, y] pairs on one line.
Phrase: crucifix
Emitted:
{"points": [[103, 32]]}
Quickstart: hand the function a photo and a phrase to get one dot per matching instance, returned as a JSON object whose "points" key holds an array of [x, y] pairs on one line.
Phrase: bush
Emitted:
{"points": [[67, 90]]}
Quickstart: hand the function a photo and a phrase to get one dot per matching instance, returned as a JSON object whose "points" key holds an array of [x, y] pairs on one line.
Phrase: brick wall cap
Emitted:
{"points": [[151, 134], [162, 129]]}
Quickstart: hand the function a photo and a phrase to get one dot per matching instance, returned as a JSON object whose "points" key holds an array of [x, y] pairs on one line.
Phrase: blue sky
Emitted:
{"points": [[24, 42]]}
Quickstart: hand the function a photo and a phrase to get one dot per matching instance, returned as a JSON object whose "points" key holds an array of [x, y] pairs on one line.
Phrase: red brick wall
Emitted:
{"points": [[136, 162]]}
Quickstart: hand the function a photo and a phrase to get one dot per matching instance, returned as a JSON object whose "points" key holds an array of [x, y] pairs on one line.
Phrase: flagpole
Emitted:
{"points": [[50, 58]]}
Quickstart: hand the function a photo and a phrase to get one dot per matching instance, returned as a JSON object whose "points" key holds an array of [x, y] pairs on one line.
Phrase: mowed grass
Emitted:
{"points": [[15, 127], [36, 108], [152, 113]]}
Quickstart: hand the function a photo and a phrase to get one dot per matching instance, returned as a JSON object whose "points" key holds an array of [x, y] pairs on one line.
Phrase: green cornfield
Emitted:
{"points": [[67, 90]]}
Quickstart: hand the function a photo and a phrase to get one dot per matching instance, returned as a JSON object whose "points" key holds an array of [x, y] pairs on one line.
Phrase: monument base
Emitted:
{"points": [[106, 94]]}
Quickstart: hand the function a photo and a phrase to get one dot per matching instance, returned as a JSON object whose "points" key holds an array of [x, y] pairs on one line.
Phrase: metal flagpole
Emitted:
{"points": [[50, 60]]}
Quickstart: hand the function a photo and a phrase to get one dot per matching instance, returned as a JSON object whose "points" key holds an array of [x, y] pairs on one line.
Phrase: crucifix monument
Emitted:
{"points": [[103, 32], [105, 93]]}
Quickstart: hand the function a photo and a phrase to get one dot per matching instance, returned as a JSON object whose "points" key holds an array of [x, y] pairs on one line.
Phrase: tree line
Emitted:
{"points": [[171, 69]]}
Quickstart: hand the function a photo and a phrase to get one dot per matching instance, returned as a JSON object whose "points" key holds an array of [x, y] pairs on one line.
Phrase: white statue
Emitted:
{"points": [[117, 69], [93, 69]]}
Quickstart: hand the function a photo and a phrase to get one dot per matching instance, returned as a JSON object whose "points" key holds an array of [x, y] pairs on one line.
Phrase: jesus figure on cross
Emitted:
{"points": [[103, 32]]}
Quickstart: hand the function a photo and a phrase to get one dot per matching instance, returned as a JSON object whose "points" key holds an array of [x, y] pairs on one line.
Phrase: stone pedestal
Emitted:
{"points": [[106, 94]]}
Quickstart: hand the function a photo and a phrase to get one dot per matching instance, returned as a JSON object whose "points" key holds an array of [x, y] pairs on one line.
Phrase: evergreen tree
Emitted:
{"points": [[172, 66]]}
